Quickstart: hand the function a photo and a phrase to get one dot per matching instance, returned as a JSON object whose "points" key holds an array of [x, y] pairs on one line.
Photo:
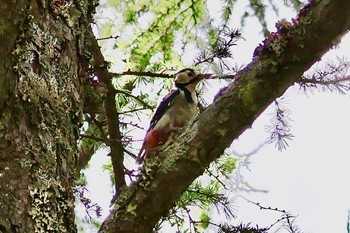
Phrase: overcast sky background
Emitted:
{"points": [[310, 179]]}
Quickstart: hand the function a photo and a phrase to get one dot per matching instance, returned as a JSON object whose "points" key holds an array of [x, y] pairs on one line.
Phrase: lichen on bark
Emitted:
{"points": [[39, 122]]}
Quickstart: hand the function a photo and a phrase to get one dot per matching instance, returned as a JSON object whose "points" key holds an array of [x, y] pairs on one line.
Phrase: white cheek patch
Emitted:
{"points": [[182, 78]]}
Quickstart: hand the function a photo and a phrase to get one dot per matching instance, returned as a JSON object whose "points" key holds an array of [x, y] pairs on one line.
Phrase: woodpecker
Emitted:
{"points": [[174, 111]]}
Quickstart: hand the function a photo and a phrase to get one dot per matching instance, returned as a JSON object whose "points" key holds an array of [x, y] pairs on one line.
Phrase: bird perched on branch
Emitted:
{"points": [[175, 110]]}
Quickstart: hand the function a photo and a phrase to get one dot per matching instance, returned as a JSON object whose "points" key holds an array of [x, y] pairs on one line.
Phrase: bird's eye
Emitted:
{"points": [[190, 73]]}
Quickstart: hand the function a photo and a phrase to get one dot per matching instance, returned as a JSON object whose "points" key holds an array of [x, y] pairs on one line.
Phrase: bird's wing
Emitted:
{"points": [[163, 107], [161, 110]]}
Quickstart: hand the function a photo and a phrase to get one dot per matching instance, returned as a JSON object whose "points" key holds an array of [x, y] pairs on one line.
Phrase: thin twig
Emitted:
{"points": [[108, 37], [324, 82], [162, 75], [133, 110], [144, 73], [108, 141], [130, 153], [133, 124], [217, 179], [285, 217], [263, 207], [134, 97]]}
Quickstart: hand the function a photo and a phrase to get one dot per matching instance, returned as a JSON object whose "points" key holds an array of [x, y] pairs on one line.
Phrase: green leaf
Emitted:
{"points": [[205, 220], [229, 165]]}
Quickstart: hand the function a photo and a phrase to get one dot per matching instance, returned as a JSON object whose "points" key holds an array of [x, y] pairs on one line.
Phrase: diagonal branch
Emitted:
{"points": [[278, 63], [112, 115]]}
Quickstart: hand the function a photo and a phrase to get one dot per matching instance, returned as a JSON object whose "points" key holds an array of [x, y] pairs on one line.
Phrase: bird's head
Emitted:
{"points": [[189, 78]]}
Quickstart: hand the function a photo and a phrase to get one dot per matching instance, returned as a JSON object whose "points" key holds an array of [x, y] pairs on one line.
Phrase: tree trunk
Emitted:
{"points": [[41, 76], [277, 64]]}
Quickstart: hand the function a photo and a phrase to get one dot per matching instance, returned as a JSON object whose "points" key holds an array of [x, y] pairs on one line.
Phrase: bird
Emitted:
{"points": [[173, 112]]}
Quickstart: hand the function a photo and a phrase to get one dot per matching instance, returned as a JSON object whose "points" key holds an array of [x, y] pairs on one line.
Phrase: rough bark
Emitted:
{"points": [[278, 62], [41, 100]]}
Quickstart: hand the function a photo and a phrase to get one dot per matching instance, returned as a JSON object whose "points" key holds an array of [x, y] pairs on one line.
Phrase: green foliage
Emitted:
{"points": [[204, 220], [295, 3], [229, 165], [201, 195], [152, 43], [259, 10], [227, 10], [107, 30], [147, 30], [205, 193], [109, 168], [150, 29]]}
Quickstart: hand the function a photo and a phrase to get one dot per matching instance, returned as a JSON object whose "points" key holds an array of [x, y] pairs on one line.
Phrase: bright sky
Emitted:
{"points": [[310, 178]]}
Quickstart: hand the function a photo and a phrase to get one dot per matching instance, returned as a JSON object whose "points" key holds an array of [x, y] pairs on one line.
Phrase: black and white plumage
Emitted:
{"points": [[174, 111]]}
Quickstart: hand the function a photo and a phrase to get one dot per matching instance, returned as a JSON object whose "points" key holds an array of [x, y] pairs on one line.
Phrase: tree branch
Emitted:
{"points": [[146, 105], [163, 75], [112, 115], [278, 63], [339, 84], [144, 73], [108, 37]]}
